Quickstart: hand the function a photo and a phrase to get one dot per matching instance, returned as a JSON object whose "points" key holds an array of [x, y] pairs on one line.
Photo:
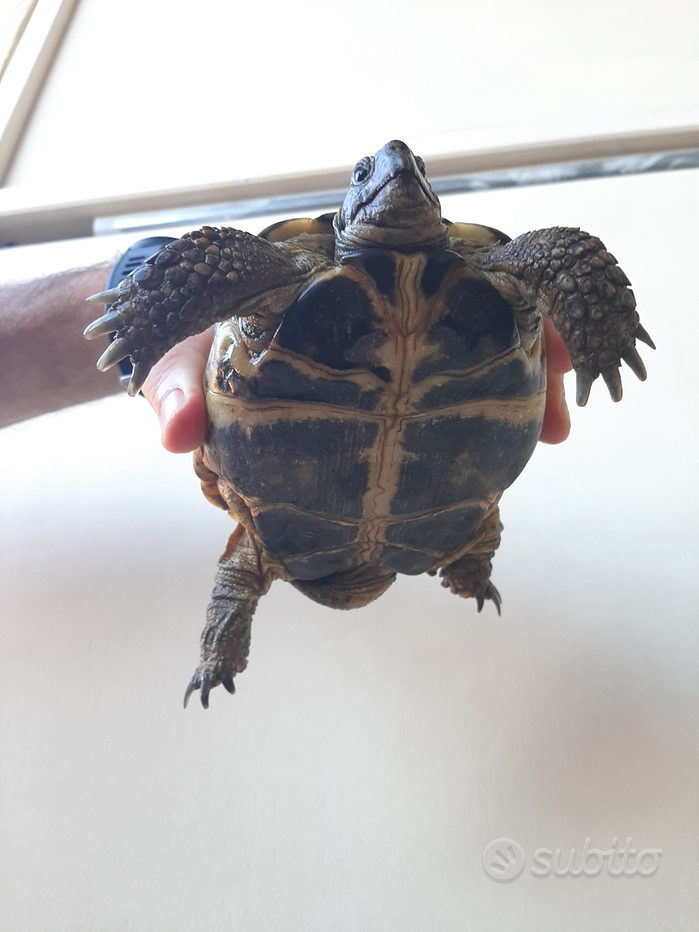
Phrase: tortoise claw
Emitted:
{"points": [[206, 680], [138, 377], [205, 689], [103, 297], [635, 363], [117, 350], [490, 593], [494, 596], [227, 681], [191, 686], [584, 380], [642, 335], [102, 325], [611, 376], [203, 682]]}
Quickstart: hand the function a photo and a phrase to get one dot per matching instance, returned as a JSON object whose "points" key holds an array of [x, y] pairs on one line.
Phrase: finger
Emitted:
{"points": [[556, 426], [174, 389], [557, 356]]}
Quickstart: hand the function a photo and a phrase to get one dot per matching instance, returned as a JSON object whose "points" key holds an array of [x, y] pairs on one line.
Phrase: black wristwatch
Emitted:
{"points": [[133, 257]]}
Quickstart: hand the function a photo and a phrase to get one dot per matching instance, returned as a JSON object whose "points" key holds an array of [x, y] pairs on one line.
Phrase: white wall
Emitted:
{"points": [[368, 757], [149, 95]]}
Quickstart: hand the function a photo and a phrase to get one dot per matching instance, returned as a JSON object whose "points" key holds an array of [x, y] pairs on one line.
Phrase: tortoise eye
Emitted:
{"points": [[420, 164], [361, 172]]}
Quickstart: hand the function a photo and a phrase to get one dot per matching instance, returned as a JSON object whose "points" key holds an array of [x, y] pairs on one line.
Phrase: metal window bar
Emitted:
{"points": [[457, 184], [32, 215]]}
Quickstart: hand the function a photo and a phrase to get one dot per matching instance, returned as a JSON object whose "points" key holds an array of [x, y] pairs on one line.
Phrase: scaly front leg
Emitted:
{"points": [[204, 277], [570, 277]]}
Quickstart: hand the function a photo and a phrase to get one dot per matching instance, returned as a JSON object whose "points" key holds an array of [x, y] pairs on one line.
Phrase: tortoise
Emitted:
{"points": [[376, 382]]}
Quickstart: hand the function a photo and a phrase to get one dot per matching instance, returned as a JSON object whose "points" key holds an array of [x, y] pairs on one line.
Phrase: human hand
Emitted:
{"points": [[174, 390]]}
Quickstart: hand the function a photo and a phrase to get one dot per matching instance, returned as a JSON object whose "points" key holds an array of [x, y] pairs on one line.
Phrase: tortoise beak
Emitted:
{"points": [[394, 158], [396, 207], [396, 168]]}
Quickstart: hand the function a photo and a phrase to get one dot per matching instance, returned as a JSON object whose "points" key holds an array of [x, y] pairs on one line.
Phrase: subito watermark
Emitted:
{"points": [[504, 859]]}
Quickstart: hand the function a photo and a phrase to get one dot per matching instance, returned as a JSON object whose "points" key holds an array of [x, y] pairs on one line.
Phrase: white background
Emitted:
{"points": [[145, 95], [368, 757]]}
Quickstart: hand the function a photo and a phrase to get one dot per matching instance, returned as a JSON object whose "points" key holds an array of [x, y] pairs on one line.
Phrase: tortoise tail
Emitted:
{"points": [[349, 588]]}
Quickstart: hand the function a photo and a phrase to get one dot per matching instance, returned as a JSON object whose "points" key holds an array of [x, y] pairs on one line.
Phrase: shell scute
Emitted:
{"points": [[293, 533], [319, 565], [333, 323], [319, 464], [438, 532], [477, 326], [508, 378], [477, 458]]}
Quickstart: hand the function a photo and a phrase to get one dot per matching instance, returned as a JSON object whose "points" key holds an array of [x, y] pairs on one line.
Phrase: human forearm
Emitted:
{"points": [[45, 364]]}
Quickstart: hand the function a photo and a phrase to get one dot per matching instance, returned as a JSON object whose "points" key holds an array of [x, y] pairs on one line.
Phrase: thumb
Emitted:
{"points": [[174, 389]]}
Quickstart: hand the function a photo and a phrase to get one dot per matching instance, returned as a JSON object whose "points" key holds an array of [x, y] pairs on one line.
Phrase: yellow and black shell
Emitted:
{"points": [[384, 418]]}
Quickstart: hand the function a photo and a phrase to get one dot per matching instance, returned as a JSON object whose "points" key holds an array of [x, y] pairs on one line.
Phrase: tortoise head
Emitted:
{"points": [[390, 204]]}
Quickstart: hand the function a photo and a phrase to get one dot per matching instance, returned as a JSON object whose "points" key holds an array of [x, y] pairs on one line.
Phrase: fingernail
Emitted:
{"points": [[169, 406], [564, 404], [565, 413]]}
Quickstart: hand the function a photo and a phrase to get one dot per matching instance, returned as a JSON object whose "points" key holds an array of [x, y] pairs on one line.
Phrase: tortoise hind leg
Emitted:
{"points": [[225, 640], [469, 576]]}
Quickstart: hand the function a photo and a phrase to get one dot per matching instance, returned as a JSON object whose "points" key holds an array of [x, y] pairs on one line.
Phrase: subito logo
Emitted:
{"points": [[503, 858]]}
